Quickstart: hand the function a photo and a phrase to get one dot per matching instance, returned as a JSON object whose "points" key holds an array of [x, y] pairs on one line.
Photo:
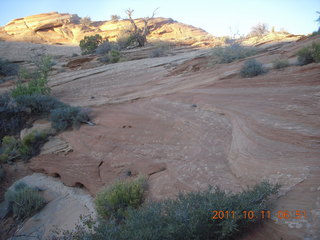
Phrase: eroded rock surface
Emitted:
{"points": [[199, 128]]}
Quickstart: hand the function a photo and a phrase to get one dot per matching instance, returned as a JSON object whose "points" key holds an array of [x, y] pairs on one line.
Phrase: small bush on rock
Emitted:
{"points": [[112, 57], [24, 201], [66, 117], [39, 78], [89, 44], [159, 51], [37, 104], [309, 54], [252, 68], [106, 47], [7, 68], [231, 53], [28, 147], [9, 149], [114, 201], [13, 118], [31, 144], [280, 63]]}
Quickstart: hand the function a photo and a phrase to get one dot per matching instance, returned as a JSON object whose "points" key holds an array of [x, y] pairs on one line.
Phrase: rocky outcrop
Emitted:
{"points": [[187, 127], [55, 28], [272, 38], [38, 22], [64, 207]]}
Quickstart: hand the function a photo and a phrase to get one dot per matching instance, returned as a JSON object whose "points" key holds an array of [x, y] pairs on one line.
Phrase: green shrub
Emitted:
{"points": [[252, 68], [66, 117], [35, 86], [15, 112], [89, 44], [28, 147], [114, 201], [188, 217], [309, 54], [31, 144], [13, 118], [39, 78], [7, 68], [231, 53], [114, 56], [24, 201], [106, 47], [9, 149], [37, 104], [280, 63]]}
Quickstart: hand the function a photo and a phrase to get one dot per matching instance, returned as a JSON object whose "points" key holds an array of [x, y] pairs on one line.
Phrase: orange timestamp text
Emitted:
{"points": [[263, 214]]}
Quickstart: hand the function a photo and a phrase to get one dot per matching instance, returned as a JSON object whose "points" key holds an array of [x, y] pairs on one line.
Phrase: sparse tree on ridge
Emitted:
{"points": [[259, 30], [140, 34], [85, 21], [115, 17]]}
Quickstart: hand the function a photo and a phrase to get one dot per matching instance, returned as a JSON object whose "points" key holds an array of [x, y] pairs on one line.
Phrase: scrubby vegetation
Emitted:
{"points": [[114, 201], [231, 53], [15, 112], [39, 78], [24, 201], [106, 46], [13, 117], [280, 63], [95, 44], [89, 44], [38, 105], [24, 149], [111, 57], [85, 21], [28, 102], [7, 68], [65, 117], [309, 54], [252, 68], [160, 50], [115, 17], [259, 30], [190, 216]]}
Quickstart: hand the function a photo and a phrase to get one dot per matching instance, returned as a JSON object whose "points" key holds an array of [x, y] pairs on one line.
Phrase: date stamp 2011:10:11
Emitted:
{"points": [[264, 214]]}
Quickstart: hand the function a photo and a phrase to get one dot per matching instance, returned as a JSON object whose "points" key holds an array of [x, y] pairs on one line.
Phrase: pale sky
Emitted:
{"points": [[218, 17]]}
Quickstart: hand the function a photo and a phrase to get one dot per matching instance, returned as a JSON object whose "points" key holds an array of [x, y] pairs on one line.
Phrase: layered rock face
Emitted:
{"points": [[186, 126], [55, 28]]}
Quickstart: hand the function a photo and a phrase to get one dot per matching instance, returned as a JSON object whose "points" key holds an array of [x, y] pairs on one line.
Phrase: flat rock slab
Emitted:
{"points": [[64, 207]]}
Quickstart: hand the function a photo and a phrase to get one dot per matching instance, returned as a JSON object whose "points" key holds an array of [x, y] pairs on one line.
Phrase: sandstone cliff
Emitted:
{"points": [[65, 29]]}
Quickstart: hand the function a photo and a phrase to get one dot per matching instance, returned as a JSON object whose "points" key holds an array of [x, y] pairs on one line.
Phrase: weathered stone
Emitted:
{"points": [[55, 145]]}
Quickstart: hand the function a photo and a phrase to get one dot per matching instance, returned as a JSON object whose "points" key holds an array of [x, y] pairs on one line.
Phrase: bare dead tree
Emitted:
{"points": [[140, 34]]}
